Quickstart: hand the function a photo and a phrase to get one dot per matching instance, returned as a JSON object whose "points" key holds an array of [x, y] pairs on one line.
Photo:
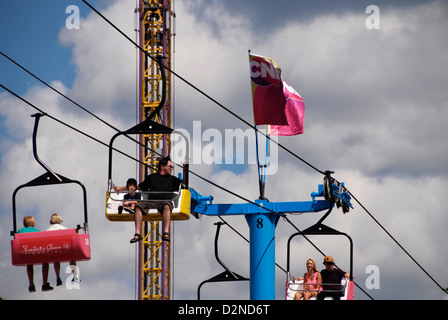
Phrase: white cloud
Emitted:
{"points": [[375, 115], [105, 61]]}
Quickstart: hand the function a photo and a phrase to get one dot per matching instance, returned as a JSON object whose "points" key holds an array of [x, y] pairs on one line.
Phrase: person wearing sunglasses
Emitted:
{"points": [[331, 280], [163, 183]]}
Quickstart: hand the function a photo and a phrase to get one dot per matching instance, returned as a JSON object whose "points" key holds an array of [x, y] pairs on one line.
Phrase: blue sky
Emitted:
{"points": [[375, 113], [31, 38]]}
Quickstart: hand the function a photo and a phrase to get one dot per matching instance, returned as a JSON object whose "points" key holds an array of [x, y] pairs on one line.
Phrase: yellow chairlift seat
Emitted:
{"points": [[181, 198], [181, 206]]}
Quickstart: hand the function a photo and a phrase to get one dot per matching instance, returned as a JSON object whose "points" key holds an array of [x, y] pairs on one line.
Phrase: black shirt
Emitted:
{"points": [[159, 182], [335, 276], [135, 196]]}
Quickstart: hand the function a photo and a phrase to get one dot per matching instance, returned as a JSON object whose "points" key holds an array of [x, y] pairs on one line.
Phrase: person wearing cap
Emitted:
{"points": [[331, 280]]}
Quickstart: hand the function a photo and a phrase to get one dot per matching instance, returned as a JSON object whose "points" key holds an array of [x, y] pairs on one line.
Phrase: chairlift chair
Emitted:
{"points": [[292, 285], [49, 246], [114, 199]]}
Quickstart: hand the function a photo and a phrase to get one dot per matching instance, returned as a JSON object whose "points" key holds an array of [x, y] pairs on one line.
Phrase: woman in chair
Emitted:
{"points": [[311, 281]]}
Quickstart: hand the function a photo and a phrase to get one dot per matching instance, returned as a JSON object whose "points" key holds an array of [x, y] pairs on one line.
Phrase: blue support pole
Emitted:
{"points": [[262, 255]]}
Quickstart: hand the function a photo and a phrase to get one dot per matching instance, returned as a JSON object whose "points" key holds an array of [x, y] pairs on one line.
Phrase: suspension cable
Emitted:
{"points": [[445, 290]]}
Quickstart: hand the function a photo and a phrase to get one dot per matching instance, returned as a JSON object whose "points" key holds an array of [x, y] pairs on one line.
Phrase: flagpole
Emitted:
{"points": [[262, 172], [266, 156], [263, 183], [260, 185]]}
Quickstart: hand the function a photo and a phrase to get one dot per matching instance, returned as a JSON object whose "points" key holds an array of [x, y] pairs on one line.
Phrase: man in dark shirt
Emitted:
{"points": [[160, 181], [331, 275]]}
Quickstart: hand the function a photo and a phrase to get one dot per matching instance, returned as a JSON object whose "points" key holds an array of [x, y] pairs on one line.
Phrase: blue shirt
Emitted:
{"points": [[28, 229]]}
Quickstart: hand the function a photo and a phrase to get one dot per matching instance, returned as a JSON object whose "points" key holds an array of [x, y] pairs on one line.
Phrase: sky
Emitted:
{"points": [[375, 114]]}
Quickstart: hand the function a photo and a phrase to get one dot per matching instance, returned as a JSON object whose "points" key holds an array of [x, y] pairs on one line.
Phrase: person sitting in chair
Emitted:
{"points": [[163, 181], [129, 198], [331, 280]]}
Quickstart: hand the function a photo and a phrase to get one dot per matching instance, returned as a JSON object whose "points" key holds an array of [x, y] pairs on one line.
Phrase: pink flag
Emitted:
{"points": [[294, 111], [275, 102], [267, 93]]}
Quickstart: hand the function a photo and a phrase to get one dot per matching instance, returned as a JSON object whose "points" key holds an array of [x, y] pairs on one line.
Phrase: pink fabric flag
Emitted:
{"points": [[275, 102], [267, 93], [294, 111]]}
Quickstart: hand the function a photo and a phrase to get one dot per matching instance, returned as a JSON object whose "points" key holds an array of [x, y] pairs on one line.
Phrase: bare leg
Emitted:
{"points": [[45, 268], [57, 271], [166, 218], [138, 220], [30, 273], [46, 286], [75, 271], [298, 296], [138, 224]]}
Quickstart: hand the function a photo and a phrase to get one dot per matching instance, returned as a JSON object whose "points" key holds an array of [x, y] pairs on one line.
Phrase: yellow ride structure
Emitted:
{"points": [[155, 25]]}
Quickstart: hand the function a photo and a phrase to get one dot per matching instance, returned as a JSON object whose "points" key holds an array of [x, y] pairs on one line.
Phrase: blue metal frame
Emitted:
{"points": [[203, 205], [262, 217]]}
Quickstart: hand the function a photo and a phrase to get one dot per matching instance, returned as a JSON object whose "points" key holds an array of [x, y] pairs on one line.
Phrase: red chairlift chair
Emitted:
{"points": [[49, 246]]}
